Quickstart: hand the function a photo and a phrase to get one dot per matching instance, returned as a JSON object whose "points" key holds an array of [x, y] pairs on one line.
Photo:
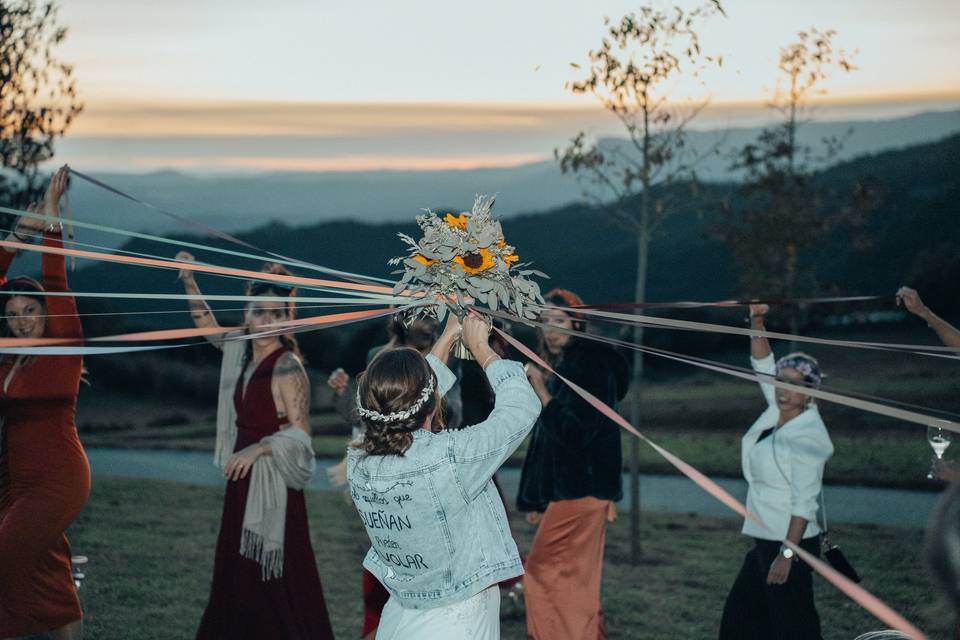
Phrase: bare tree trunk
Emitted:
{"points": [[640, 296], [791, 292]]}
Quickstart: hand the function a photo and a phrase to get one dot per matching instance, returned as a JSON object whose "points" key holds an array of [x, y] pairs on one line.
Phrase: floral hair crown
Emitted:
{"points": [[397, 416], [807, 366]]}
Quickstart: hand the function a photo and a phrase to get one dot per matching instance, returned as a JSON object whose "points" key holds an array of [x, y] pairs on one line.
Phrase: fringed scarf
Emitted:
{"points": [[291, 464]]}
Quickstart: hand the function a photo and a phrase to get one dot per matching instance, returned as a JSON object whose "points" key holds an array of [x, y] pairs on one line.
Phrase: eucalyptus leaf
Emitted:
{"points": [[504, 296]]}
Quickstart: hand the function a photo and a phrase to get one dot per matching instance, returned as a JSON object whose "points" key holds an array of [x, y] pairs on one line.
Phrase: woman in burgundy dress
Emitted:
{"points": [[44, 475], [257, 593]]}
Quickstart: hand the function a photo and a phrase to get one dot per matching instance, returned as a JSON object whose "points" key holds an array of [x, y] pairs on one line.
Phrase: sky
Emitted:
{"points": [[441, 83]]}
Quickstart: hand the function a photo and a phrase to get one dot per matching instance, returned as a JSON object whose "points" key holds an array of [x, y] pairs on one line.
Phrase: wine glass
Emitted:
{"points": [[939, 439]]}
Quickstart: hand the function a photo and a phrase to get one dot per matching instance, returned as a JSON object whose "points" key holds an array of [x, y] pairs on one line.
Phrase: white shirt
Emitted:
{"points": [[784, 471]]}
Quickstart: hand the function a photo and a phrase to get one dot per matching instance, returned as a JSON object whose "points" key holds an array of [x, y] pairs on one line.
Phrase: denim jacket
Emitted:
{"points": [[436, 523]]}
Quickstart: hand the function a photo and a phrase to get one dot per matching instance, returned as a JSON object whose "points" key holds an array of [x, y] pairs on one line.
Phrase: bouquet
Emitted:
{"points": [[464, 257]]}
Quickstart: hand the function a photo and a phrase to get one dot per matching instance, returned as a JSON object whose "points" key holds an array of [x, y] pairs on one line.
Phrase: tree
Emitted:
{"points": [[781, 212], [38, 95], [630, 74]]}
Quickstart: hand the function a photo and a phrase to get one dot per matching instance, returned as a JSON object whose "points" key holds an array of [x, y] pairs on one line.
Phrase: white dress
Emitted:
{"points": [[476, 618]]}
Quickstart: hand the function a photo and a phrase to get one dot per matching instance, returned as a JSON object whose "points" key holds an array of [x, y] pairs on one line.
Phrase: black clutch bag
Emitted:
{"points": [[837, 560]]}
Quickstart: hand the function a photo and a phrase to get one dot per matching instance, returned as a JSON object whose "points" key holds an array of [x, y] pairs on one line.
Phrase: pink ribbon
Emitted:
{"points": [[186, 266], [853, 591], [178, 334]]}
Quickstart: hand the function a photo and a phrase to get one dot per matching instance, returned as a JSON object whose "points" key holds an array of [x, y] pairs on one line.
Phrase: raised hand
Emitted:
{"points": [[476, 335], [55, 191], [183, 256], [452, 330], [759, 310], [910, 299]]}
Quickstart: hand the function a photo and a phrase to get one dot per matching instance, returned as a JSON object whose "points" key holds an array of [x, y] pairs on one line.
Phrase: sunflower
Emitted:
{"points": [[427, 262], [475, 262], [457, 222], [509, 258]]}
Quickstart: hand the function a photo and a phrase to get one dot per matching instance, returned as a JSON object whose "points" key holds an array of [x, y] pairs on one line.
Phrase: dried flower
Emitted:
{"points": [[465, 256]]}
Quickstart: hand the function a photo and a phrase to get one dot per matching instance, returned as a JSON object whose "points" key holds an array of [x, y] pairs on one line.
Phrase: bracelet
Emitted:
{"points": [[487, 361], [53, 227], [27, 240]]}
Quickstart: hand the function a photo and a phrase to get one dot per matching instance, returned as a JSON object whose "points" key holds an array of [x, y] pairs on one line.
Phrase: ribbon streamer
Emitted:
{"points": [[205, 229], [190, 245], [213, 297], [670, 323], [192, 266], [151, 312], [728, 303], [858, 594], [762, 378], [65, 346]]}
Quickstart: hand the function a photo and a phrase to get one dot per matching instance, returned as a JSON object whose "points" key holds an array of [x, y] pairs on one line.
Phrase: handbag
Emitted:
{"points": [[832, 552]]}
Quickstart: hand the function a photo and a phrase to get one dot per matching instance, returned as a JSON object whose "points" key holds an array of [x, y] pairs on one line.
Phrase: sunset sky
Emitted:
{"points": [[434, 84]]}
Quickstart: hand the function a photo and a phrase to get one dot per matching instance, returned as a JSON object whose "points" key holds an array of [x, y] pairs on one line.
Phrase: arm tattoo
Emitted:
{"points": [[294, 389]]}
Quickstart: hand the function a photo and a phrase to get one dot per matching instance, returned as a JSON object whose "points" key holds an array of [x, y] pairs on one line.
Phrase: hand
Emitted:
{"points": [[241, 462], [55, 190], [946, 470], [910, 299], [28, 227], [758, 311], [452, 330], [612, 512], [534, 517], [338, 381], [535, 376], [779, 570], [183, 256], [476, 335]]}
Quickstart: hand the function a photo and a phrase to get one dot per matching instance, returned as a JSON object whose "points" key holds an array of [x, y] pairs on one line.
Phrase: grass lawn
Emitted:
{"points": [[151, 548]]}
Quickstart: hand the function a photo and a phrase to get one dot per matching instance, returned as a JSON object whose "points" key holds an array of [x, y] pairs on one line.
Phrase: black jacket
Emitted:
{"points": [[574, 450]]}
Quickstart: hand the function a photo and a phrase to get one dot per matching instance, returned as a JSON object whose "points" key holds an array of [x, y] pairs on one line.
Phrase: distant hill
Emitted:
{"points": [[245, 201], [915, 232]]}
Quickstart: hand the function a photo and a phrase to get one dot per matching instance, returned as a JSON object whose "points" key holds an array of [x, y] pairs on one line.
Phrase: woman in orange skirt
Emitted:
{"points": [[571, 478], [44, 475]]}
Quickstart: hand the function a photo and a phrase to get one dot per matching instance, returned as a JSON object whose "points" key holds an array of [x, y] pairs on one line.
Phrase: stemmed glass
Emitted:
{"points": [[939, 439]]}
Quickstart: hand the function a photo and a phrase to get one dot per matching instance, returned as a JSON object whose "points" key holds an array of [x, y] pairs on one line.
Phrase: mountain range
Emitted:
{"points": [[913, 237], [237, 202]]}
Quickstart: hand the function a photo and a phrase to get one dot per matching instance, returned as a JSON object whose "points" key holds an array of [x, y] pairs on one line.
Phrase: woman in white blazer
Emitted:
{"points": [[783, 455]]}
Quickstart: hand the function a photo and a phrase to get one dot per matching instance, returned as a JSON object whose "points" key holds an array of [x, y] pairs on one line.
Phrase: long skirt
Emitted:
{"points": [[563, 572], [761, 611], [476, 618]]}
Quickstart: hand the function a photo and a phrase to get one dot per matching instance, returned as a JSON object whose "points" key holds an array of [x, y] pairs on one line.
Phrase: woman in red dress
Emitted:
{"points": [[44, 475], [272, 393]]}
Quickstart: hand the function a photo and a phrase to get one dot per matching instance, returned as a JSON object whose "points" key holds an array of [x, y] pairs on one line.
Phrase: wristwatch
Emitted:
{"points": [[787, 552]]}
